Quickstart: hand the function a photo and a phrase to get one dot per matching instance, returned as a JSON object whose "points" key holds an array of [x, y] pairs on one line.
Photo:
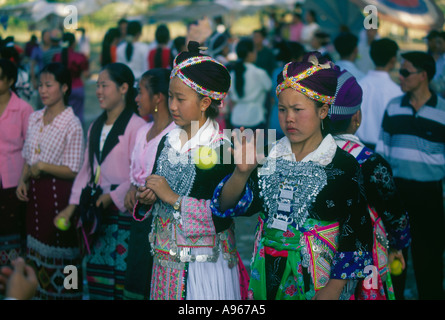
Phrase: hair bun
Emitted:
{"points": [[193, 47]]}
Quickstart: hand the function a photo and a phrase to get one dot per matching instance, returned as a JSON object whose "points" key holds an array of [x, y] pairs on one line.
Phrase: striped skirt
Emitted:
{"points": [[50, 251], [107, 263]]}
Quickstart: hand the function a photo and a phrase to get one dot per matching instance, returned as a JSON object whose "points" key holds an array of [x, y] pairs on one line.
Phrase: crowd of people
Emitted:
{"points": [[147, 199]]}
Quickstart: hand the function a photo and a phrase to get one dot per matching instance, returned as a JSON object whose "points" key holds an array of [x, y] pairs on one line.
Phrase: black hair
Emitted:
{"points": [[120, 73], [134, 28], [261, 31], [217, 43], [70, 38], [121, 21], [178, 43], [8, 50], [433, 34], [110, 36], [313, 14], [382, 51], [9, 72], [62, 76], [422, 61], [243, 48], [345, 43], [156, 80], [336, 127], [207, 74], [290, 51], [162, 36]]}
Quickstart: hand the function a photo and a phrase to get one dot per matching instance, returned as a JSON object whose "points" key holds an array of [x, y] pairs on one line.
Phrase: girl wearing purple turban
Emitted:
{"points": [[314, 235], [384, 205]]}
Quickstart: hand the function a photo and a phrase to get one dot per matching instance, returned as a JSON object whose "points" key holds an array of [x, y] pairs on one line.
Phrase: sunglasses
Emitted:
{"points": [[405, 73]]}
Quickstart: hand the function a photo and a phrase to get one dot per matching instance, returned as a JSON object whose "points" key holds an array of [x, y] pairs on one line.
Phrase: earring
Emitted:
{"points": [[156, 108], [322, 126], [358, 124]]}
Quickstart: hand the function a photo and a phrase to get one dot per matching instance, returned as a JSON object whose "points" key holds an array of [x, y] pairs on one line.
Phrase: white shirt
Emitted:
{"points": [[308, 32], [104, 134], [323, 155], [378, 89], [207, 135], [351, 67], [364, 61], [249, 111], [139, 59]]}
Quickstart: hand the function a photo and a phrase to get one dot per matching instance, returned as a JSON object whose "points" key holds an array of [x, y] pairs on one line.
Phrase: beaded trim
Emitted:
{"points": [[190, 83], [293, 82]]}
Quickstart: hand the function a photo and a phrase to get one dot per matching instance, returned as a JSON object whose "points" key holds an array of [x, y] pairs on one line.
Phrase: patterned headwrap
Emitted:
{"points": [[348, 97], [313, 77], [202, 73]]}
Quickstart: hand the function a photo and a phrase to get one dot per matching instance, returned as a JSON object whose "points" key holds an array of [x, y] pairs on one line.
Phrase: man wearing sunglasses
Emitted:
{"points": [[412, 139]]}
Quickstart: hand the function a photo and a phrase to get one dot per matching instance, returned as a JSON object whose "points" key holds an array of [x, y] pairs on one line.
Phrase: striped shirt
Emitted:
{"points": [[413, 142]]}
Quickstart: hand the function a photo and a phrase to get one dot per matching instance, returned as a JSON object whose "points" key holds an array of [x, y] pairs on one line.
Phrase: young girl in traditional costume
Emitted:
{"points": [[194, 253], [152, 100], [53, 153], [314, 235], [384, 205], [111, 139]]}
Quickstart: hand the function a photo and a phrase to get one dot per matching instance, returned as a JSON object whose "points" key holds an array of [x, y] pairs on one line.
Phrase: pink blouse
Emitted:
{"points": [[60, 143], [115, 168], [13, 128], [144, 153]]}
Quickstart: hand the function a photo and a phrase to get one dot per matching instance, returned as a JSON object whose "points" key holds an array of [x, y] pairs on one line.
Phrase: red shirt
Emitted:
{"points": [[166, 58], [77, 63]]}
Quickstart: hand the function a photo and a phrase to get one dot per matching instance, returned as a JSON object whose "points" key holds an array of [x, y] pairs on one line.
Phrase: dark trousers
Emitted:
{"points": [[424, 204]]}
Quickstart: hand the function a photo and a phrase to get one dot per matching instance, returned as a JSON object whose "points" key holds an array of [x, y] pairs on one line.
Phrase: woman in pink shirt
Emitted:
{"points": [[14, 114], [53, 153], [111, 139], [152, 100]]}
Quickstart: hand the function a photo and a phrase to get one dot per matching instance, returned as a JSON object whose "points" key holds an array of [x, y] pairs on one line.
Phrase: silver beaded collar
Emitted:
{"points": [[288, 189]]}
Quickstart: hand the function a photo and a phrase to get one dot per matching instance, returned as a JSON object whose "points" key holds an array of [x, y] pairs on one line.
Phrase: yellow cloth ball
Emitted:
{"points": [[396, 267], [205, 158], [63, 224]]}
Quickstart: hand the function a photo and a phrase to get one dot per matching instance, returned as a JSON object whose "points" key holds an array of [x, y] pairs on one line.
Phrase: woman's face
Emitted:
{"points": [[50, 91], [145, 100], [184, 104], [108, 93], [299, 117]]}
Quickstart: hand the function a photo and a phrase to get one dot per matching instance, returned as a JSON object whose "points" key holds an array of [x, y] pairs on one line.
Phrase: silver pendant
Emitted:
{"points": [[281, 222]]}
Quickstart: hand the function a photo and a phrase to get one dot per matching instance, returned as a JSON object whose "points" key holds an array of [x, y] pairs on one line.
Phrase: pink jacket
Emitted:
{"points": [[13, 127], [115, 169]]}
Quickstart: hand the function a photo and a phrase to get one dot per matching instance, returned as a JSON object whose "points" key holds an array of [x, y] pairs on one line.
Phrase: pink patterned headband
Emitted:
{"points": [[177, 71]]}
